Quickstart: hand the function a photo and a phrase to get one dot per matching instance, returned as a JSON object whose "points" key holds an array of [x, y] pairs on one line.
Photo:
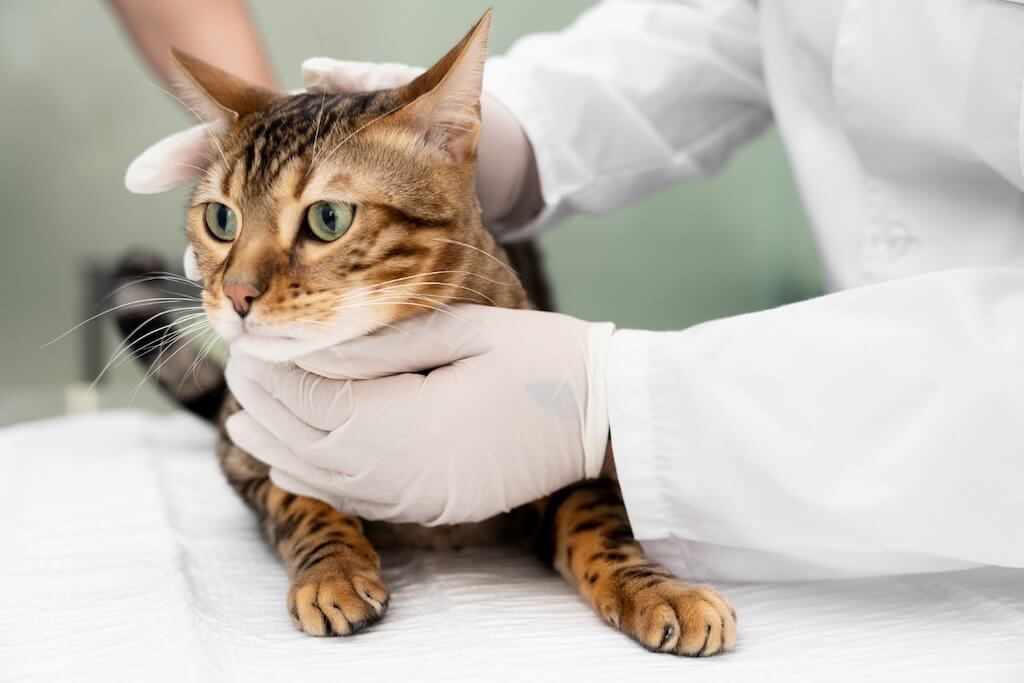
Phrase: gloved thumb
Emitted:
{"points": [[174, 161], [253, 438]]}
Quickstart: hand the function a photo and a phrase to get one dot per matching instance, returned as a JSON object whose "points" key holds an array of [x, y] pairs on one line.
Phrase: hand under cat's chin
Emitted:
{"points": [[281, 346], [274, 349]]}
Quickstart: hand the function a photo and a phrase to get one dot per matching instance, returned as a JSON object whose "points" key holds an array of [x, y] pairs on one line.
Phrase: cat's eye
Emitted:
{"points": [[329, 220], [221, 221]]}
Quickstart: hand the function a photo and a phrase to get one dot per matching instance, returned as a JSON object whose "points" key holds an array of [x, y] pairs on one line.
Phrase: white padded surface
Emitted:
{"points": [[126, 557]]}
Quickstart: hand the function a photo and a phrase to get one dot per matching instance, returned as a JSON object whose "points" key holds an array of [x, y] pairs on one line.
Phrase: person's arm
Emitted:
{"points": [[634, 95], [218, 31], [871, 431]]}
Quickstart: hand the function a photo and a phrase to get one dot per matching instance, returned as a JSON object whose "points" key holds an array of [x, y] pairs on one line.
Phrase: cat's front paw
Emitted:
{"points": [[337, 602], [668, 615]]}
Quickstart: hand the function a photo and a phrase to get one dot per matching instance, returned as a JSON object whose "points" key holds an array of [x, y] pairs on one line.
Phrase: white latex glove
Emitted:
{"points": [[507, 181], [512, 409]]}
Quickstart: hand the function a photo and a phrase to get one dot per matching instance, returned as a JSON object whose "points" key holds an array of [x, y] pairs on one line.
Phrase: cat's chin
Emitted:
{"points": [[288, 340], [279, 349], [275, 349]]}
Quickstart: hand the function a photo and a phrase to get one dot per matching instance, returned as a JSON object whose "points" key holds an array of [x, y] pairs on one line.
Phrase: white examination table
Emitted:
{"points": [[127, 557]]}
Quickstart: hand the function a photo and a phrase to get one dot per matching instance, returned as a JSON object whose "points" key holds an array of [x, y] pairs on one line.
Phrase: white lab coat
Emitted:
{"points": [[873, 430]]}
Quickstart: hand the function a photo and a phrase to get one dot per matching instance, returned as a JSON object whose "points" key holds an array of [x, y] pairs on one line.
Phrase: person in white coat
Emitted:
{"points": [[877, 429]]}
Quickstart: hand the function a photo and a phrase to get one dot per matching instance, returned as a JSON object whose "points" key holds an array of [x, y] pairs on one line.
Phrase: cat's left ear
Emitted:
{"points": [[444, 102], [215, 94]]}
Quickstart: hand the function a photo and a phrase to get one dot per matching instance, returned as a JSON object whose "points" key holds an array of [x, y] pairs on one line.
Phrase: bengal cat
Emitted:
{"points": [[323, 217]]}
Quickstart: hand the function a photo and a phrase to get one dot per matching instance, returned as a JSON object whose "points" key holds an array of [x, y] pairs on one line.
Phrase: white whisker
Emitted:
{"points": [[196, 114], [348, 307], [371, 288], [316, 135], [126, 346], [154, 369], [198, 168], [490, 256], [356, 132], [405, 302], [178, 322], [151, 277], [141, 302], [200, 357], [438, 283]]}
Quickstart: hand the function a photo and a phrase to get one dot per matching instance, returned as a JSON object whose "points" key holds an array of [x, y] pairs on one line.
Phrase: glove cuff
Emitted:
{"points": [[595, 416]]}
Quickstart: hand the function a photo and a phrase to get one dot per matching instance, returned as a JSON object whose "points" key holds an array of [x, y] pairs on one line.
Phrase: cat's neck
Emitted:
{"points": [[488, 268]]}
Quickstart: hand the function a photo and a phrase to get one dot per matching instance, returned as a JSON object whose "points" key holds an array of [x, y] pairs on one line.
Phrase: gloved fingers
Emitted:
{"points": [[293, 473], [282, 479], [323, 74], [423, 342], [342, 503], [251, 389], [176, 160], [319, 405], [249, 435], [191, 265]]}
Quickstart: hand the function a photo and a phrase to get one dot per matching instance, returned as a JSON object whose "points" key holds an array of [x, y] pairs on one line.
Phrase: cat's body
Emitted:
{"points": [[398, 166]]}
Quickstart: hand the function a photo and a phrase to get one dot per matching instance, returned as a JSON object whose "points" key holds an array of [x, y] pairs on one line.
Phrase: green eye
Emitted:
{"points": [[329, 220], [221, 221]]}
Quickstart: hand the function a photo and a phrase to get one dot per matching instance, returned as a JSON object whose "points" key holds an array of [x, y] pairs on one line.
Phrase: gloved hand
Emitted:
{"points": [[507, 181], [512, 409]]}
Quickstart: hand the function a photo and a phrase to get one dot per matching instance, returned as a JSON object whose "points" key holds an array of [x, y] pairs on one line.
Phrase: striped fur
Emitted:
{"points": [[418, 232]]}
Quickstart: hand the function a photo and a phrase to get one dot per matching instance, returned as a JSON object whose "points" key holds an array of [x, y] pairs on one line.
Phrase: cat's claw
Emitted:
{"points": [[674, 617], [336, 605]]}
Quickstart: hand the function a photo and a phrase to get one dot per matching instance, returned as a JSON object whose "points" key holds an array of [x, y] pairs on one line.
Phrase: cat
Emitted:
{"points": [[323, 217]]}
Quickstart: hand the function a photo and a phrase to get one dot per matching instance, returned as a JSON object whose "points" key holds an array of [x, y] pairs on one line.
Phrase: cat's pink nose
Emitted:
{"points": [[242, 293]]}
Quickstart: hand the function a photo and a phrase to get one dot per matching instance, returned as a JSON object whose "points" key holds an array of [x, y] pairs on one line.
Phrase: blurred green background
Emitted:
{"points": [[78, 104]]}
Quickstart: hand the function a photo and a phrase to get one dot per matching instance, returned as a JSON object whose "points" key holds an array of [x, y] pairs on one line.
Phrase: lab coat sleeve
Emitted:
{"points": [[876, 430], [632, 96]]}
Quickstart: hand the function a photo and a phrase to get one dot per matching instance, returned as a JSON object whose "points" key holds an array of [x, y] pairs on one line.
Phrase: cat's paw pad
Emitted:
{"points": [[337, 604], [675, 617]]}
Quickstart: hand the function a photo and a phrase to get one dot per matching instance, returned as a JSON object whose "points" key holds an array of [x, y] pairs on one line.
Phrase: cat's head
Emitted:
{"points": [[323, 217]]}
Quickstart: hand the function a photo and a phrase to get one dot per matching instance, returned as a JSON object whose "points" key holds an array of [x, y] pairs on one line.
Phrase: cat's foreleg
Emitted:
{"points": [[586, 537]]}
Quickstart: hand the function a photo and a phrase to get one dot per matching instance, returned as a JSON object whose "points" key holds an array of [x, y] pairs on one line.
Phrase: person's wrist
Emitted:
{"points": [[507, 183]]}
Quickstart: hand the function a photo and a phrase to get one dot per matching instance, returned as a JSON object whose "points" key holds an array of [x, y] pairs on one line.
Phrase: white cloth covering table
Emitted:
{"points": [[127, 557]]}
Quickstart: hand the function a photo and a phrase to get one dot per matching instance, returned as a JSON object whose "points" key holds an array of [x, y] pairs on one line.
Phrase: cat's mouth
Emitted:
{"points": [[273, 345], [269, 341], [260, 331], [286, 343], [285, 340]]}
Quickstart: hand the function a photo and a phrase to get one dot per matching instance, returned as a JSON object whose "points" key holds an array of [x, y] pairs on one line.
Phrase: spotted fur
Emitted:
{"points": [[411, 178]]}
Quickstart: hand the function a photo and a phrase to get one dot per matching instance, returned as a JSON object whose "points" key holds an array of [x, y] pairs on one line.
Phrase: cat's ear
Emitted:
{"points": [[444, 101], [216, 95]]}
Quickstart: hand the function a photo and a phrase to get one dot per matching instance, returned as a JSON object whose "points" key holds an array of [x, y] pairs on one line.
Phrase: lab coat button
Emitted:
{"points": [[890, 241]]}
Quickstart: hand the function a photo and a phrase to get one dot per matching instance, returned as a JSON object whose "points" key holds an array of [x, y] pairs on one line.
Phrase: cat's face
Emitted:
{"points": [[324, 217]]}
